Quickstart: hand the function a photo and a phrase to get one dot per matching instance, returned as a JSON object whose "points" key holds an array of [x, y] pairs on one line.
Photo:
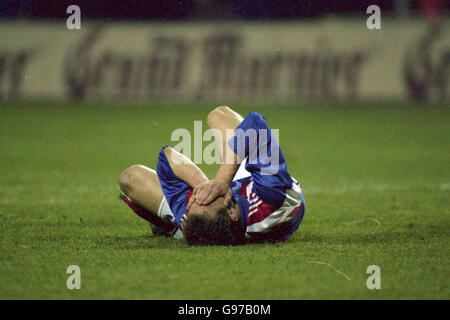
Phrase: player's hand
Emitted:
{"points": [[209, 191], [228, 199], [191, 202]]}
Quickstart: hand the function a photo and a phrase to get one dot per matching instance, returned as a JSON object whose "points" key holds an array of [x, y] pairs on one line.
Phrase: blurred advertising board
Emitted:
{"points": [[279, 61]]}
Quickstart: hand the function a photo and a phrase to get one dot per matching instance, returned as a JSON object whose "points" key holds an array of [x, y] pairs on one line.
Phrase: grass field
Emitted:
{"points": [[376, 182]]}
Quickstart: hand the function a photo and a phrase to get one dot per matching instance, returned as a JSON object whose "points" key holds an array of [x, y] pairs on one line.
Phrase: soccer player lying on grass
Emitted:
{"points": [[264, 203]]}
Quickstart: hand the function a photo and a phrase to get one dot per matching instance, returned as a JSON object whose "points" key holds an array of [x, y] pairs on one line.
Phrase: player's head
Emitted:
{"points": [[213, 224]]}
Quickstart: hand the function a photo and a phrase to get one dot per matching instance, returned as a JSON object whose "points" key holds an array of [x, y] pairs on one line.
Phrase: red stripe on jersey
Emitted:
{"points": [[188, 196], [262, 211], [296, 210], [243, 189]]}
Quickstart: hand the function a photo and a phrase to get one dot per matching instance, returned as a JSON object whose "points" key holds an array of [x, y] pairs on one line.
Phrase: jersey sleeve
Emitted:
{"points": [[254, 140], [175, 190]]}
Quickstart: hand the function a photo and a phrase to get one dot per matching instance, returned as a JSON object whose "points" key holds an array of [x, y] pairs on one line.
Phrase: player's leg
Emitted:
{"points": [[145, 197], [141, 185], [222, 119]]}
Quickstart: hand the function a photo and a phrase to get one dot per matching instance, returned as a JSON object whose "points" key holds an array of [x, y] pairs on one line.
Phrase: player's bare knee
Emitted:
{"points": [[130, 178], [217, 115]]}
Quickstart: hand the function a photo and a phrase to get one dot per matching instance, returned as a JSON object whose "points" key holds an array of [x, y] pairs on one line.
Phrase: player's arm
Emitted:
{"points": [[183, 168], [208, 191], [254, 140], [223, 121]]}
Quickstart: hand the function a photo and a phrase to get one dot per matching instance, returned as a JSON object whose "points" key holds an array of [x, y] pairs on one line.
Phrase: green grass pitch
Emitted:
{"points": [[375, 177]]}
